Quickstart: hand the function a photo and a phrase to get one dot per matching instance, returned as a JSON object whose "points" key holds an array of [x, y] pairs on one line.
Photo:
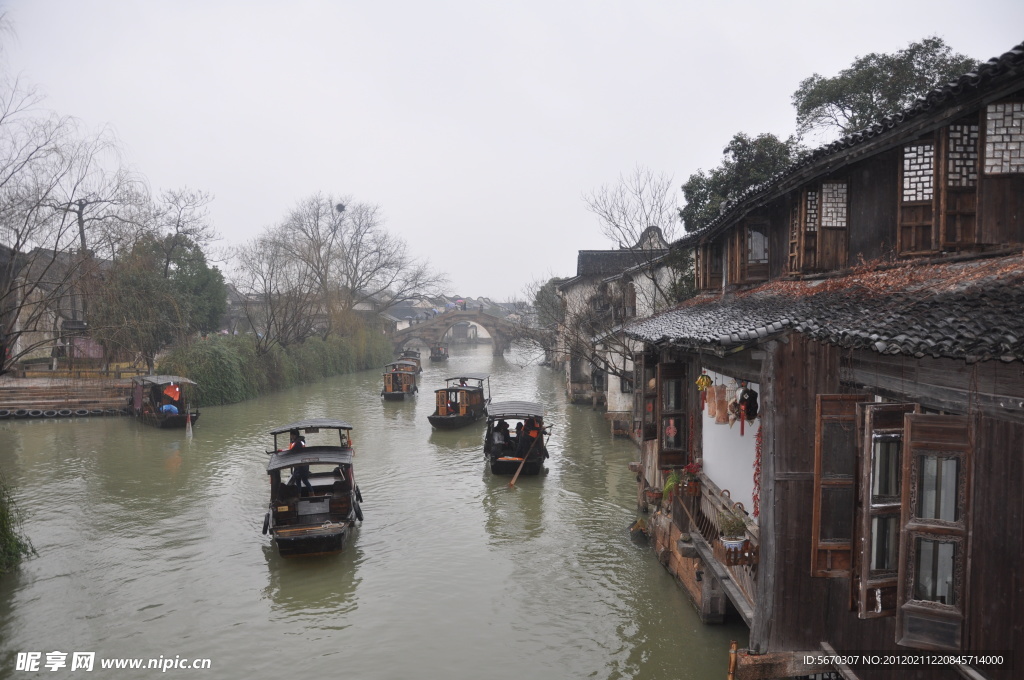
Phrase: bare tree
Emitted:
{"points": [[639, 200], [45, 271], [376, 265], [280, 294]]}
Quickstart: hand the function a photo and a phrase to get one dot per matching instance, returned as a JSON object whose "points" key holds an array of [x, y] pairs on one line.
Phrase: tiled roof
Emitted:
{"points": [[987, 76], [608, 262], [969, 310]]}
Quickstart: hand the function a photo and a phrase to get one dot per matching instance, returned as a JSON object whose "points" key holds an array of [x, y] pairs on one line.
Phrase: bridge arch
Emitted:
{"points": [[433, 330]]}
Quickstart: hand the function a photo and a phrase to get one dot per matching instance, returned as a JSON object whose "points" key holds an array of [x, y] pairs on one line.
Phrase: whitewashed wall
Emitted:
{"points": [[729, 457]]}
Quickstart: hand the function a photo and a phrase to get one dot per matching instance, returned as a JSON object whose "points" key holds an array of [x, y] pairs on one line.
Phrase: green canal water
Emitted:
{"points": [[150, 546]]}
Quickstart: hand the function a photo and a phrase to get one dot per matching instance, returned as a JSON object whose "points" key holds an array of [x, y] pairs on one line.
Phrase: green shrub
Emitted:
{"points": [[228, 369], [13, 545]]}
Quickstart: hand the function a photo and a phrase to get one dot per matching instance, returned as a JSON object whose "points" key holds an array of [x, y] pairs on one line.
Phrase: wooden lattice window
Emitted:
{"points": [[879, 511], [959, 180], [835, 461], [710, 266], [934, 541], [917, 194], [748, 253]]}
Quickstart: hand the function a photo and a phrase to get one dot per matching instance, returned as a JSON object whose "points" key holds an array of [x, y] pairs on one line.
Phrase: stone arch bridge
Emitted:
{"points": [[432, 330]]}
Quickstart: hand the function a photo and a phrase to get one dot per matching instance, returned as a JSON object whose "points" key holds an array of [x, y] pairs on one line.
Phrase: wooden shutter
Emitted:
{"points": [[835, 460], [879, 507], [924, 621]]}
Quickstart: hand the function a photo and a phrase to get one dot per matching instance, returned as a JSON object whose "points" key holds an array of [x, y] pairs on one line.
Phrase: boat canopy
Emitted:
{"points": [[469, 376], [327, 455], [162, 380], [401, 362], [325, 423], [514, 409]]}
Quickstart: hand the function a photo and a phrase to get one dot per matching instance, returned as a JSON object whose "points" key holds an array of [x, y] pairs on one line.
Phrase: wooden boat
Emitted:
{"points": [[506, 447], [462, 401], [399, 380], [439, 353], [163, 400], [413, 356], [315, 519]]}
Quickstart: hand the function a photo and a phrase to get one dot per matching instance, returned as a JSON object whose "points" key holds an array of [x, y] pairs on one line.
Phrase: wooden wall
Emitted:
{"points": [[1001, 209], [790, 612], [874, 187]]}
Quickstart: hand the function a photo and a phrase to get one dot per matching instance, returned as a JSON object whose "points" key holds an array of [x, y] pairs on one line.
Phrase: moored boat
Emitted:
{"points": [[439, 353], [314, 500], [514, 439], [399, 380], [462, 401], [163, 400]]}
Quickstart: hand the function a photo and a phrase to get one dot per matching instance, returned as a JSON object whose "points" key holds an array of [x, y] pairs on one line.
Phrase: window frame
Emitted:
{"points": [[928, 624], [674, 416], [832, 557], [875, 590]]}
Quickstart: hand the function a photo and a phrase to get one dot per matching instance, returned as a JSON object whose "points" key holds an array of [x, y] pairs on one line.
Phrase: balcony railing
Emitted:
{"points": [[700, 516]]}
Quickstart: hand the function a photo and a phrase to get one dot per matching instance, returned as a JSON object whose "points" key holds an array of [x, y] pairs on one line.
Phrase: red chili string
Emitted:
{"points": [[756, 495]]}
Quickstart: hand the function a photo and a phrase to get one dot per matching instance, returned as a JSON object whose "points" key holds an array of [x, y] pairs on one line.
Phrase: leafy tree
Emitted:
{"points": [[156, 295], [874, 86], [748, 161]]}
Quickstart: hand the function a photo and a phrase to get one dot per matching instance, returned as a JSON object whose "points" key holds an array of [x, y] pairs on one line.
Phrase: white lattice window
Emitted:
{"points": [[918, 172], [962, 156], [811, 223], [1004, 138], [833, 204]]}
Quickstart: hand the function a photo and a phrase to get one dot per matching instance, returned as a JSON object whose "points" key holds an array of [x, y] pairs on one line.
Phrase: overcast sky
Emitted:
{"points": [[476, 126]]}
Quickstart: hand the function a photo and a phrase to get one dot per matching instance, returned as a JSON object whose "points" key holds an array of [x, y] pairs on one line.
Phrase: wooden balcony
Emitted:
{"points": [[736, 569]]}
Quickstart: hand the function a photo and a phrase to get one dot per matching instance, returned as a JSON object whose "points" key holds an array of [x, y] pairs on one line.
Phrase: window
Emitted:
{"points": [[936, 476], [748, 252], [710, 265], [648, 395], [939, 188], [835, 460], [876, 561], [672, 412]]}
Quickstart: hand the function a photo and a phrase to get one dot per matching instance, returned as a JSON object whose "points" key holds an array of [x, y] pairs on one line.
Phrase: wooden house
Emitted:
{"points": [[871, 297]]}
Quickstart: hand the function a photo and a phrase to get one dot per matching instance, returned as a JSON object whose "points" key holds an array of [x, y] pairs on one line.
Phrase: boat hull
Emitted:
{"points": [[171, 422], [439, 359], [452, 422], [310, 541], [396, 396], [507, 465]]}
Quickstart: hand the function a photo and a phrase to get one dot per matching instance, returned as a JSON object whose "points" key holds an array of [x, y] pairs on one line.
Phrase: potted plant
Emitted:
{"points": [[734, 530], [672, 482], [691, 480]]}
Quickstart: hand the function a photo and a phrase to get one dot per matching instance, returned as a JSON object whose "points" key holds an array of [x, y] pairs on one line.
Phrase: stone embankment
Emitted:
{"points": [[62, 397]]}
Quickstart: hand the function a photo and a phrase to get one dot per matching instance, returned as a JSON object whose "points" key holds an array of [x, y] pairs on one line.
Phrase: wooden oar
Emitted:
{"points": [[516, 476]]}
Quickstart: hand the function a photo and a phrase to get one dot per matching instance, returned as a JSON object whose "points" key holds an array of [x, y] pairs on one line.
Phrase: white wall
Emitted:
{"points": [[729, 457]]}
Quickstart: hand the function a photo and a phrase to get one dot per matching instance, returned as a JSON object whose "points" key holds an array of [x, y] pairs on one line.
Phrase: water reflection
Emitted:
{"points": [[153, 546]]}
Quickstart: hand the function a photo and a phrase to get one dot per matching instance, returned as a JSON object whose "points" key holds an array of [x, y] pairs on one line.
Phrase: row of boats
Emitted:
{"points": [[314, 498]]}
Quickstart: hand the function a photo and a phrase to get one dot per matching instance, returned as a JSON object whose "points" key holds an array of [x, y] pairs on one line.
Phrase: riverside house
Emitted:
{"points": [[861, 324]]}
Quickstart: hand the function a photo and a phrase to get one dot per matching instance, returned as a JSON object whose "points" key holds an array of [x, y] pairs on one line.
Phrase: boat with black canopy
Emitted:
{"points": [[314, 498], [514, 443], [439, 352], [163, 400], [462, 401]]}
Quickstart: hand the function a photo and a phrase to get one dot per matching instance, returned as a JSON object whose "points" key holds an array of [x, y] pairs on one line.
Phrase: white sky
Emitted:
{"points": [[476, 126]]}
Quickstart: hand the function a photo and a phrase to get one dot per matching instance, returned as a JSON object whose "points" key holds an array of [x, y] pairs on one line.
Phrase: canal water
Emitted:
{"points": [[150, 545]]}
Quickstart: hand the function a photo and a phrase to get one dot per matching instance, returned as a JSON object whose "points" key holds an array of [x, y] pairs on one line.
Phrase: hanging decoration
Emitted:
{"points": [[732, 407], [703, 383], [721, 405], [755, 495]]}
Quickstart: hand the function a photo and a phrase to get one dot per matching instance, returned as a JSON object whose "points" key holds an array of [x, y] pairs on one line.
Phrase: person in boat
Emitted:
{"points": [[168, 408], [500, 435], [453, 408], [530, 432], [300, 473]]}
